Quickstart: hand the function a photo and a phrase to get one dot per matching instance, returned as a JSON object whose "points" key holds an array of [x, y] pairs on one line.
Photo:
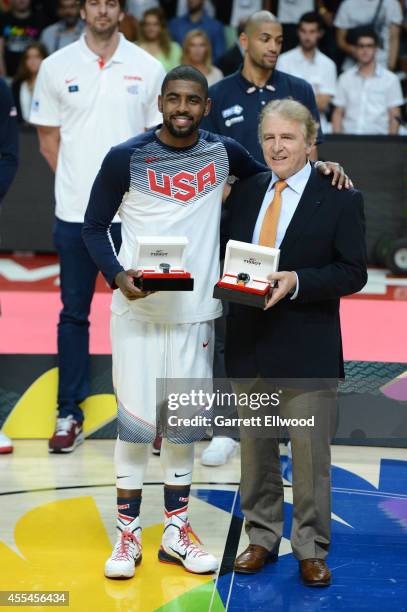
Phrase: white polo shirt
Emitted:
{"points": [[96, 107], [319, 72], [366, 101]]}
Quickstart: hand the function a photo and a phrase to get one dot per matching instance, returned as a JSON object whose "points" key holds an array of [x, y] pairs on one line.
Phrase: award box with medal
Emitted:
{"points": [[245, 271], [161, 259]]}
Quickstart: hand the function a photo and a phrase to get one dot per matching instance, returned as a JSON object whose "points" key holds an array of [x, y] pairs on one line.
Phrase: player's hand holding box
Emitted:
{"points": [[161, 261]]}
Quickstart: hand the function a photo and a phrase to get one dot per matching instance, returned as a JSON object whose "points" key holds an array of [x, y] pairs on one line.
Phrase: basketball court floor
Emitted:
{"points": [[57, 512]]}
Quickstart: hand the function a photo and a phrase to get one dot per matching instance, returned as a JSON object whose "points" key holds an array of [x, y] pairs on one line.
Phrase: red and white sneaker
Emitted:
{"points": [[178, 548], [6, 445], [67, 436], [126, 552]]}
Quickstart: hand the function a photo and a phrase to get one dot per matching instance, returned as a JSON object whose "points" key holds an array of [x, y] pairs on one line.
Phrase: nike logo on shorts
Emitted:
{"points": [[205, 344], [181, 475]]}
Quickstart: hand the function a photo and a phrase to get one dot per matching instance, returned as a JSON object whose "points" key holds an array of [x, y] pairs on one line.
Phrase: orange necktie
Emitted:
{"points": [[268, 232]]}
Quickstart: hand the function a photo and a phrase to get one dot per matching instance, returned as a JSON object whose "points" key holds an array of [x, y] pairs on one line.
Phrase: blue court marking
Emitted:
{"points": [[368, 559]]}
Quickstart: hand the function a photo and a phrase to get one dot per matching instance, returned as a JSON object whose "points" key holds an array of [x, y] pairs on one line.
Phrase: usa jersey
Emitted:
{"points": [[159, 190]]}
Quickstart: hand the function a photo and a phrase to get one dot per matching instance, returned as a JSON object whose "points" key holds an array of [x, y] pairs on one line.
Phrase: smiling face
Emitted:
{"points": [[102, 17], [183, 104], [284, 145], [263, 44]]}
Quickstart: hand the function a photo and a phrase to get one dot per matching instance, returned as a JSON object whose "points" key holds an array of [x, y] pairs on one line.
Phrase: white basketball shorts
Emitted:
{"points": [[144, 353]]}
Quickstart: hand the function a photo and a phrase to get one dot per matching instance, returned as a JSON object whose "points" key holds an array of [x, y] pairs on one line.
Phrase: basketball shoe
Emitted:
{"points": [[126, 552], [67, 435], [178, 548], [6, 445], [219, 451]]}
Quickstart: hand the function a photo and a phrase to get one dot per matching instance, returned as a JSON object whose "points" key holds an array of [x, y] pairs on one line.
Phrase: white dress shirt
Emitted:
{"points": [[319, 71], [366, 100], [291, 196]]}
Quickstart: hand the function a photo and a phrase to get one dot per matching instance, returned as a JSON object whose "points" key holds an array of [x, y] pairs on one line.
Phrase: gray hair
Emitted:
{"points": [[257, 18], [293, 111]]}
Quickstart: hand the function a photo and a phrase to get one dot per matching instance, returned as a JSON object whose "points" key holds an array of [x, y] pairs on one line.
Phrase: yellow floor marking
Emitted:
{"points": [[64, 546], [34, 414]]}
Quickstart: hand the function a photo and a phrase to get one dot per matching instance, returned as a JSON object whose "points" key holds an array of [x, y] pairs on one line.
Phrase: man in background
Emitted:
{"points": [[238, 100], [67, 30], [384, 16], [307, 62], [368, 97], [288, 13]]}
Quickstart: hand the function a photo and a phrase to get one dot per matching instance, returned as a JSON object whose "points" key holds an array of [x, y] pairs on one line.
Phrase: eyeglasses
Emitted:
{"points": [[366, 46]]}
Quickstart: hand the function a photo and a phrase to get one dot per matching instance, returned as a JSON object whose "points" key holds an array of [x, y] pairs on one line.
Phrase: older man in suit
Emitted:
{"points": [[320, 233]]}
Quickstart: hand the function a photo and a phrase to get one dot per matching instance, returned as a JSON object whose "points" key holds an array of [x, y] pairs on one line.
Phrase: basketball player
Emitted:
{"points": [[168, 181]]}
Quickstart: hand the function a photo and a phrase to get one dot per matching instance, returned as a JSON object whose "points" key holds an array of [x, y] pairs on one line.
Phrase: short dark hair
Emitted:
{"points": [[312, 17], [365, 32], [185, 73], [121, 2]]}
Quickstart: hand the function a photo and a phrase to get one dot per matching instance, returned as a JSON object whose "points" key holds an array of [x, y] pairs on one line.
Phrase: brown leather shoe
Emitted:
{"points": [[315, 572], [253, 559]]}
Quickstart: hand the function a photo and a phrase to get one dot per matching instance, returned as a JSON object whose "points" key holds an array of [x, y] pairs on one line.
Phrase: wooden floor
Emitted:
{"points": [[57, 525]]}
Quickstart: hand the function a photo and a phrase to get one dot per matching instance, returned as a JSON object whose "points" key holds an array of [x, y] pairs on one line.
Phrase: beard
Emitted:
{"points": [[181, 132], [265, 65], [71, 22], [105, 32]]}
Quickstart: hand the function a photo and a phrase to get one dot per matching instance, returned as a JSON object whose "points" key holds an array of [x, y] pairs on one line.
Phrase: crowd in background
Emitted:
{"points": [[354, 72]]}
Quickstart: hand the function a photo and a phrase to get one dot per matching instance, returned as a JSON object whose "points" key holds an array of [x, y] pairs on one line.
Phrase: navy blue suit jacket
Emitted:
{"points": [[325, 245]]}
